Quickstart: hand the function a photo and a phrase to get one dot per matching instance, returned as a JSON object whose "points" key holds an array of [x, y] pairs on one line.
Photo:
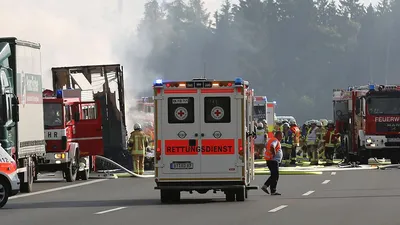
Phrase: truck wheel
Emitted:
{"points": [[241, 194], [4, 191], [230, 196], [30, 173]]}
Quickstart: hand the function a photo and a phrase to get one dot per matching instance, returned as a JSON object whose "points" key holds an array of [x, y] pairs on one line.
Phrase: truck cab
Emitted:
{"points": [[73, 133]]}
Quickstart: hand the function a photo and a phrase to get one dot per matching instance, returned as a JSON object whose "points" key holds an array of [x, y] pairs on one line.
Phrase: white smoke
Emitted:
{"points": [[77, 32]]}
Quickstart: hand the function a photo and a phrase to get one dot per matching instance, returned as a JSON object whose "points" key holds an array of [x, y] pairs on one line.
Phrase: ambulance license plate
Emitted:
{"points": [[181, 165]]}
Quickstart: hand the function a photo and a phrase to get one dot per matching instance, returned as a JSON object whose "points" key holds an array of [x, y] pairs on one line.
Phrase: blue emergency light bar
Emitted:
{"points": [[239, 81], [371, 87], [59, 93]]}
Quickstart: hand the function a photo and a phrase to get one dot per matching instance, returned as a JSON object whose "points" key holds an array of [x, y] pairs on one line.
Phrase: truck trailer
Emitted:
{"points": [[21, 116]]}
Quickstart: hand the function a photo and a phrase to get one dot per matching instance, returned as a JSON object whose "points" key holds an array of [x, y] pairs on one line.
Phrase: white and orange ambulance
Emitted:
{"points": [[9, 181], [204, 137]]}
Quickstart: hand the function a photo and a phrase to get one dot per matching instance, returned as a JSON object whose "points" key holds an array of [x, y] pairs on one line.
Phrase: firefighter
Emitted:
{"points": [[320, 140], [149, 131], [286, 144], [331, 142], [311, 140], [260, 141], [138, 141], [277, 126], [295, 133]]}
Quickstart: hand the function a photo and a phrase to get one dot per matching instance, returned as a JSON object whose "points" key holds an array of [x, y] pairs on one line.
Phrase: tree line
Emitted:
{"points": [[293, 51]]}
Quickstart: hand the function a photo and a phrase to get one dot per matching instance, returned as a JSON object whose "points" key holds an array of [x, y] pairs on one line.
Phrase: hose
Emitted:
{"points": [[123, 168]]}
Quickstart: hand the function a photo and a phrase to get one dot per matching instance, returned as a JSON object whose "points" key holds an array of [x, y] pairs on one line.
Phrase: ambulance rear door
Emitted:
{"points": [[220, 126], [180, 126]]}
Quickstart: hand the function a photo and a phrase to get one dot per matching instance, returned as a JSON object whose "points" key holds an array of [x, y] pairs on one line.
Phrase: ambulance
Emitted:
{"points": [[204, 138], [9, 181]]}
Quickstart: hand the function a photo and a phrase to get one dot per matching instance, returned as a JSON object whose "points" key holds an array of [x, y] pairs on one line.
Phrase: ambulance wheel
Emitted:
{"points": [[168, 196], [241, 194], [230, 196], [4, 191]]}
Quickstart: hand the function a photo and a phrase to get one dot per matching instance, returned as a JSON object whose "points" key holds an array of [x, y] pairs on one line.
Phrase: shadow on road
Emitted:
{"points": [[104, 203]]}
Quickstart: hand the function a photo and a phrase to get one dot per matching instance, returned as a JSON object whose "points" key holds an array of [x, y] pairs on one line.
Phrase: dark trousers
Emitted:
{"points": [[329, 151], [272, 181]]}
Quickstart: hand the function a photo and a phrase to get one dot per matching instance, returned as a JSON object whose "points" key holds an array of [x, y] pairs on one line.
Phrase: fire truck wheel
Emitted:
{"points": [[4, 191], [230, 196], [71, 172], [84, 175], [241, 194]]}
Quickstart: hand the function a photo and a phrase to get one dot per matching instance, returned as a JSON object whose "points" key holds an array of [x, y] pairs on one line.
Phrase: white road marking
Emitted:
{"points": [[333, 173], [326, 181], [56, 189], [110, 210], [308, 193], [277, 208]]}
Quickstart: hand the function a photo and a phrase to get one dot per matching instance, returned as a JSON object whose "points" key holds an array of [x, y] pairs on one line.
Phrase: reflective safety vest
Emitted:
{"points": [[260, 136], [287, 140], [331, 138], [137, 143], [311, 136], [296, 135], [270, 153]]}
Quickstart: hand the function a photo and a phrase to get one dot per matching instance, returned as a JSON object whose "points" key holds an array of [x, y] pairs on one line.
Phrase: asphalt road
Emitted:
{"points": [[343, 197]]}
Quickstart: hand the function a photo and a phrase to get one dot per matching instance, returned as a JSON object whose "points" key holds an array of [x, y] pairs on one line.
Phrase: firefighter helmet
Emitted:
{"points": [[331, 124], [260, 125], [292, 123], [137, 126], [286, 125]]}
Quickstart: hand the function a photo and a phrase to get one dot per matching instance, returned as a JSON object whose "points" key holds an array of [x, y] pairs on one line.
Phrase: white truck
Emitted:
{"points": [[204, 133], [21, 116]]}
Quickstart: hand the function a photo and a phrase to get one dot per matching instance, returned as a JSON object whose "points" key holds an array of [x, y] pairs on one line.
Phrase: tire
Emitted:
{"points": [[230, 196], [241, 194], [4, 192], [84, 175], [170, 196], [28, 186], [70, 173], [246, 194]]}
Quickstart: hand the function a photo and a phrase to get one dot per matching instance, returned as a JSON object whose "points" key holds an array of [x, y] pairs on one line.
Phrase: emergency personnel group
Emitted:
{"points": [[315, 140]]}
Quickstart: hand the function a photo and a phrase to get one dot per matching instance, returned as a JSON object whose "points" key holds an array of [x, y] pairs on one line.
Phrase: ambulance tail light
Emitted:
{"points": [[158, 154], [241, 152], [240, 144], [14, 166], [158, 150]]}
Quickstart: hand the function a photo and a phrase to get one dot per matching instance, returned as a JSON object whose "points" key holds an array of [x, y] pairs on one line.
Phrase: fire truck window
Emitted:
{"points": [[181, 110], [67, 113], [89, 112], [217, 109], [52, 114], [383, 106]]}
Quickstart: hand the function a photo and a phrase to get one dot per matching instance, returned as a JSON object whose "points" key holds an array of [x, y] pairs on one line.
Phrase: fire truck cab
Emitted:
{"points": [[260, 108], [204, 137], [368, 119], [73, 133]]}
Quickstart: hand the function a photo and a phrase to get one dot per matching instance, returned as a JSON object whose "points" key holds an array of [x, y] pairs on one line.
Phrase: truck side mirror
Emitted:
{"points": [[15, 109], [76, 116]]}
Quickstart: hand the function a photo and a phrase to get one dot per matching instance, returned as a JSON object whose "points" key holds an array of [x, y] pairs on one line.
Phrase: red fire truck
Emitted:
{"points": [[73, 133], [368, 119]]}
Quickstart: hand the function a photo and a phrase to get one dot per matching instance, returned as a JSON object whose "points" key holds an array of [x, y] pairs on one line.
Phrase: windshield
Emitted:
{"points": [[52, 115], [259, 109], [383, 106]]}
